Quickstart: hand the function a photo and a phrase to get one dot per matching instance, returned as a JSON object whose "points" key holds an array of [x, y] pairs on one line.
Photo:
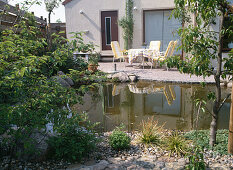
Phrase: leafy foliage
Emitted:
{"points": [[79, 43], [202, 44], [196, 160], [201, 139], [127, 24], [94, 58], [151, 132], [30, 99], [119, 140], [73, 141]]}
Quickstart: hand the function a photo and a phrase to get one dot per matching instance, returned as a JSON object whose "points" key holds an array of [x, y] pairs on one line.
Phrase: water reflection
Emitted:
{"points": [[168, 103]]}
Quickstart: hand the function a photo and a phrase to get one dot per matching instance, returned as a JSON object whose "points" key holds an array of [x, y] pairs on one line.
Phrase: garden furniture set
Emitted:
{"points": [[152, 54]]}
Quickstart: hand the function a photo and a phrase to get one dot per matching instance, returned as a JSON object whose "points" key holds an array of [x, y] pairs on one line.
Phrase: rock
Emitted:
{"points": [[181, 162], [122, 77], [160, 165], [39, 141], [86, 168], [169, 165], [109, 76], [66, 78], [114, 160], [148, 158], [112, 167], [229, 85], [61, 81], [101, 165], [6, 166], [132, 77], [132, 167], [219, 166], [222, 84]]}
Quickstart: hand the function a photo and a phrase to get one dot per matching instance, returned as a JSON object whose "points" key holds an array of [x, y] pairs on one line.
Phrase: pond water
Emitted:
{"points": [[172, 105]]}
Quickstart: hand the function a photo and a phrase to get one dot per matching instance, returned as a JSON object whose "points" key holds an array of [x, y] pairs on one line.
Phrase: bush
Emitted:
{"points": [[74, 142], [201, 139], [151, 132], [29, 98], [177, 144], [119, 140]]}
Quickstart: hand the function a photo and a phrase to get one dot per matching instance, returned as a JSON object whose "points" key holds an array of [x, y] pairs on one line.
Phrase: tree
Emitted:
{"points": [[203, 44], [50, 6]]}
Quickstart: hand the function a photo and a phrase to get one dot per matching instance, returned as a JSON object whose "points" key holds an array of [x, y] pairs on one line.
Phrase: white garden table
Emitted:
{"points": [[134, 53], [82, 54], [143, 53]]}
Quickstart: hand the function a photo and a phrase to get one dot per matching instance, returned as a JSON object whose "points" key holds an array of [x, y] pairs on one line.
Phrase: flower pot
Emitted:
{"points": [[84, 51], [92, 67]]}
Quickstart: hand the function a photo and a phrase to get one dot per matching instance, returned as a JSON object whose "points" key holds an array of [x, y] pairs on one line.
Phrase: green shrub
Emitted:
{"points": [[196, 160], [29, 100], [73, 142], [177, 144], [151, 132], [119, 140], [201, 139]]}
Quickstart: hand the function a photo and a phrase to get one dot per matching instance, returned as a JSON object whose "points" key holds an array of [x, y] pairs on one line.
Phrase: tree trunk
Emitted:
{"points": [[230, 136], [49, 32], [213, 125], [49, 17]]}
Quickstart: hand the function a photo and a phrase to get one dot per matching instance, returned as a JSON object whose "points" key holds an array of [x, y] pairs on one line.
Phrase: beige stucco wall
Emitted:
{"points": [[138, 16], [90, 20]]}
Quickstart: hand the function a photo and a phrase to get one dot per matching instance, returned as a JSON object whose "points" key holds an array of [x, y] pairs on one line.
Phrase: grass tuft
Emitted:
{"points": [[151, 132], [177, 144]]}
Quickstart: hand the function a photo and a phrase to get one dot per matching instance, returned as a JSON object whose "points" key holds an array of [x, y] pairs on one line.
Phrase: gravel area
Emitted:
{"points": [[141, 157], [155, 74], [138, 156]]}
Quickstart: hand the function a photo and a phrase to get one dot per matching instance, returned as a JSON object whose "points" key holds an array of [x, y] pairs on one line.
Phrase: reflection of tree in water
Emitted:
{"points": [[201, 120]]}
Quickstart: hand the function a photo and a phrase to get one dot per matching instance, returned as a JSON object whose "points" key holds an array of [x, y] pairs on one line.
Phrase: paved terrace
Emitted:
{"points": [[155, 74]]}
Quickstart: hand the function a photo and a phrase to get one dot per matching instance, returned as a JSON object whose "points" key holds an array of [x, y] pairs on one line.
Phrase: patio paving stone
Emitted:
{"points": [[155, 74]]}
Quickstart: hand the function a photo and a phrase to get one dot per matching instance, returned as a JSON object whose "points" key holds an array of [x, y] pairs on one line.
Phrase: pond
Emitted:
{"points": [[172, 105]]}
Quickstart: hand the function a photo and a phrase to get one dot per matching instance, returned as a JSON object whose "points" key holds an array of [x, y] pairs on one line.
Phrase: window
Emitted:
{"points": [[158, 27], [108, 30]]}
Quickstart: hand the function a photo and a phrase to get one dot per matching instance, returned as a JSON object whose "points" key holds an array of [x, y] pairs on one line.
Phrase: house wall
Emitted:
{"points": [[138, 16], [90, 20]]}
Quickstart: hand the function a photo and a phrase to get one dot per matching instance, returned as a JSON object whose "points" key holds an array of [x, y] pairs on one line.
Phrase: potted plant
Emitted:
{"points": [[79, 45], [93, 62], [82, 47]]}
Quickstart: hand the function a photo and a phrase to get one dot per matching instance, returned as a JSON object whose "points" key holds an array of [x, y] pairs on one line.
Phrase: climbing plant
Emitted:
{"points": [[127, 24]]}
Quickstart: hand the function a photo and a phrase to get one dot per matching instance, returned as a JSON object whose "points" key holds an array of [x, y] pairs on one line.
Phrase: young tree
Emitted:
{"points": [[202, 44], [50, 6]]}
